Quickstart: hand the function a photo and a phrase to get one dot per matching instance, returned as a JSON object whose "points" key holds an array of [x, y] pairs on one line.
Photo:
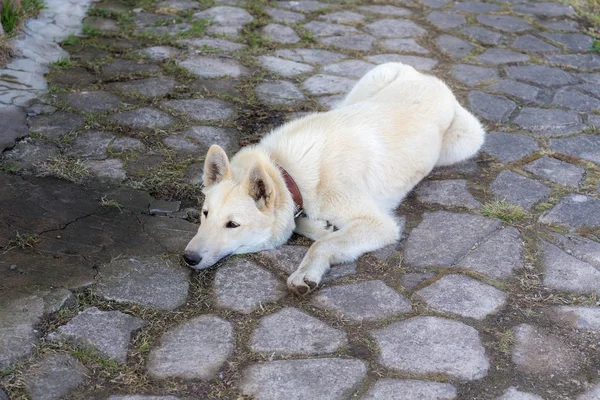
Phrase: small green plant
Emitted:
{"points": [[596, 45], [504, 211], [71, 40], [197, 30], [22, 241], [61, 63], [10, 16], [89, 31], [106, 202]]}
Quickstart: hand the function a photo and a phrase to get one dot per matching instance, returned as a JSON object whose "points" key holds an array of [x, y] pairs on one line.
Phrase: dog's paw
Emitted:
{"points": [[301, 283]]}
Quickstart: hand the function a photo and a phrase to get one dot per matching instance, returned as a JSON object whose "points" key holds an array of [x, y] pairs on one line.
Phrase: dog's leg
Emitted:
{"points": [[361, 235], [314, 229]]}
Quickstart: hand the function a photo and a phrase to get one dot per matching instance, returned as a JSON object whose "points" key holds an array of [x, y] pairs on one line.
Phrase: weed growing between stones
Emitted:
{"points": [[504, 211], [21, 241], [62, 167]]}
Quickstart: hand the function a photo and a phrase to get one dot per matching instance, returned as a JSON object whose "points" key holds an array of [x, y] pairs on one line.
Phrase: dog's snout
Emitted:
{"points": [[192, 258]]}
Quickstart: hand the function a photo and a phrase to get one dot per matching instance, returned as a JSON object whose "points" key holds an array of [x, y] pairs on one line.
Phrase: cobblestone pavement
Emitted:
{"points": [[490, 293]]}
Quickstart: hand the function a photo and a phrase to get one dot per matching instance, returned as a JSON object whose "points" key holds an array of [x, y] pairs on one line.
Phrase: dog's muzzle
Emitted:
{"points": [[191, 258]]}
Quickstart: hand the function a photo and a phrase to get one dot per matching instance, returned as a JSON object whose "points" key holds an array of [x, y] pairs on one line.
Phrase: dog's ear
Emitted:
{"points": [[216, 166], [260, 187]]}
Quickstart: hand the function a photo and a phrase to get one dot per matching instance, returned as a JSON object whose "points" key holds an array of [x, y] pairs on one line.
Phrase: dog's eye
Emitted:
{"points": [[205, 212], [231, 224]]}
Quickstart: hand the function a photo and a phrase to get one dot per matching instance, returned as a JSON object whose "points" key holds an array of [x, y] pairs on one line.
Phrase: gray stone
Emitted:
{"points": [[501, 56], [593, 89], [28, 155], [142, 397], [386, 10], [571, 41], [575, 100], [303, 6], [178, 5], [343, 17], [581, 318], [196, 349], [56, 299], [101, 24], [322, 378], [279, 93], [453, 45], [544, 9], [591, 394], [163, 207], [280, 34], [521, 91], [483, 35], [331, 102], [497, 256], [210, 67], [420, 63], [145, 117], [504, 22], [57, 125], [53, 377], [284, 67], [442, 238], [531, 43], [463, 296], [122, 144], [148, 281], [18, 316], [108, 332], [243, 286], [445, 20], [150, 87], [513, 394], [201, 109], [349, 68], [349, 42], [586, 147], [541, 75], [310, 56], [91, 144], [451, 192], [326, 84], [409, 389], [319, 28], [227, 138], [548, 122], [364, 301], [394, 28], [293, 332], [403, 45], [411, 280], [92, 101], [225, 16], [107, 171], [475, 7], [435, 3], [491, 107], [472, 75], [285, 17], [432, 345], [567, 273], [584, 249], [540, 353], [574, 210], [12, 125], [3, 395], [556, 171], [206, 44], [587, 61], [182, 146], [125, 68], [518, 189]]}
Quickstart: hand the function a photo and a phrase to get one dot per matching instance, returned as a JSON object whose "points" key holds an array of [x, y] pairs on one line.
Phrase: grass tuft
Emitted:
{"points": [[109, 203], [197, 30], [64, 168], [504, 211], [22, 241], [61, 63]]}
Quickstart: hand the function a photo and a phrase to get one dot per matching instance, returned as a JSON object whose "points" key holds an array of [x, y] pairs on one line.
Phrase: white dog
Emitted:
{"points": [[334, 177]]}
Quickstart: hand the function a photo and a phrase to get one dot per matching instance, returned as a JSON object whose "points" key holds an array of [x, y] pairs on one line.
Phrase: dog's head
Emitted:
{"points": [[238, 215]]}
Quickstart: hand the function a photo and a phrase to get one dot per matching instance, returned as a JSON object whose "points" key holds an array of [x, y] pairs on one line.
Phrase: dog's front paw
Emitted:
{"points": [[301, 283]]}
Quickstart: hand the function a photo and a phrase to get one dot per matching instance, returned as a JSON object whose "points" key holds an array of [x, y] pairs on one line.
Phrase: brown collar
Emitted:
{"points": [[294, 191]]}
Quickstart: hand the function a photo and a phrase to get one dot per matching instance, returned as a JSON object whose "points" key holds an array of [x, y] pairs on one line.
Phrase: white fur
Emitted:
{"points": [[353, 165]]}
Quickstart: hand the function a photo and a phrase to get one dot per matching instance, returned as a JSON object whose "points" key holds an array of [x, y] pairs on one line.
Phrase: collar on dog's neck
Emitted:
{"points": [[294, 191]]}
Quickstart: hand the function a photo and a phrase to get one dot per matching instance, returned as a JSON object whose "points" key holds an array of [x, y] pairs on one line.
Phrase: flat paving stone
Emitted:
{"points": [[242, 286], [578, 246], [586, 147], [280, 34], [18, 317], [505, 23], [572, 41], [483, 35], [454, 46], [159, 53], [279, 93], [283, 16], [145, 117], [91, 144], [451, 192], [201, 109], [206, 44], [574, 210], [394, 28], [508, 147], [513, 394], [544, 9], [106, 171], [410, 389], [225, 16], [77, 77], [502, 56], [227, 138], [322, 378], [549, 122], [92, 101], [108, 332], [293, 332], [150, 87], [575, 100], [303, 6], [386, 10], [319, 28], [142, 397], [29, 155], [446, 20], [148, 281], [195, 349], [327, 84], [522, 91], [541, 353], [182, 146], [472, 75], [419, 63], [413, 279], [532, 43], [491, 107], [284, 67], [435, 3], [541, 75], [432, 345], [349, 42], [123, 68], [403, 45], [364, 301], [518, 189], [463, 296], [57, 125], [53, 377], [579, 61], [310, 56], [556, 171], [342, 17], [13, 126], [475, 7], [567, 273], [581, 318], [497, 256], [123, 144], [452, 235], [349, 68], [210, 67]]}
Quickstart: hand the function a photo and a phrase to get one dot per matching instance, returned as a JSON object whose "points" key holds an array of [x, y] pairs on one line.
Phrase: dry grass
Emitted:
{"points": [[504, 211], [590, 11]]}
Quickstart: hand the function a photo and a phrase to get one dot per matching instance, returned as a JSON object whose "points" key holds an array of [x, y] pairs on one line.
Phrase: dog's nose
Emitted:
{"points": [[192, 258]]}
